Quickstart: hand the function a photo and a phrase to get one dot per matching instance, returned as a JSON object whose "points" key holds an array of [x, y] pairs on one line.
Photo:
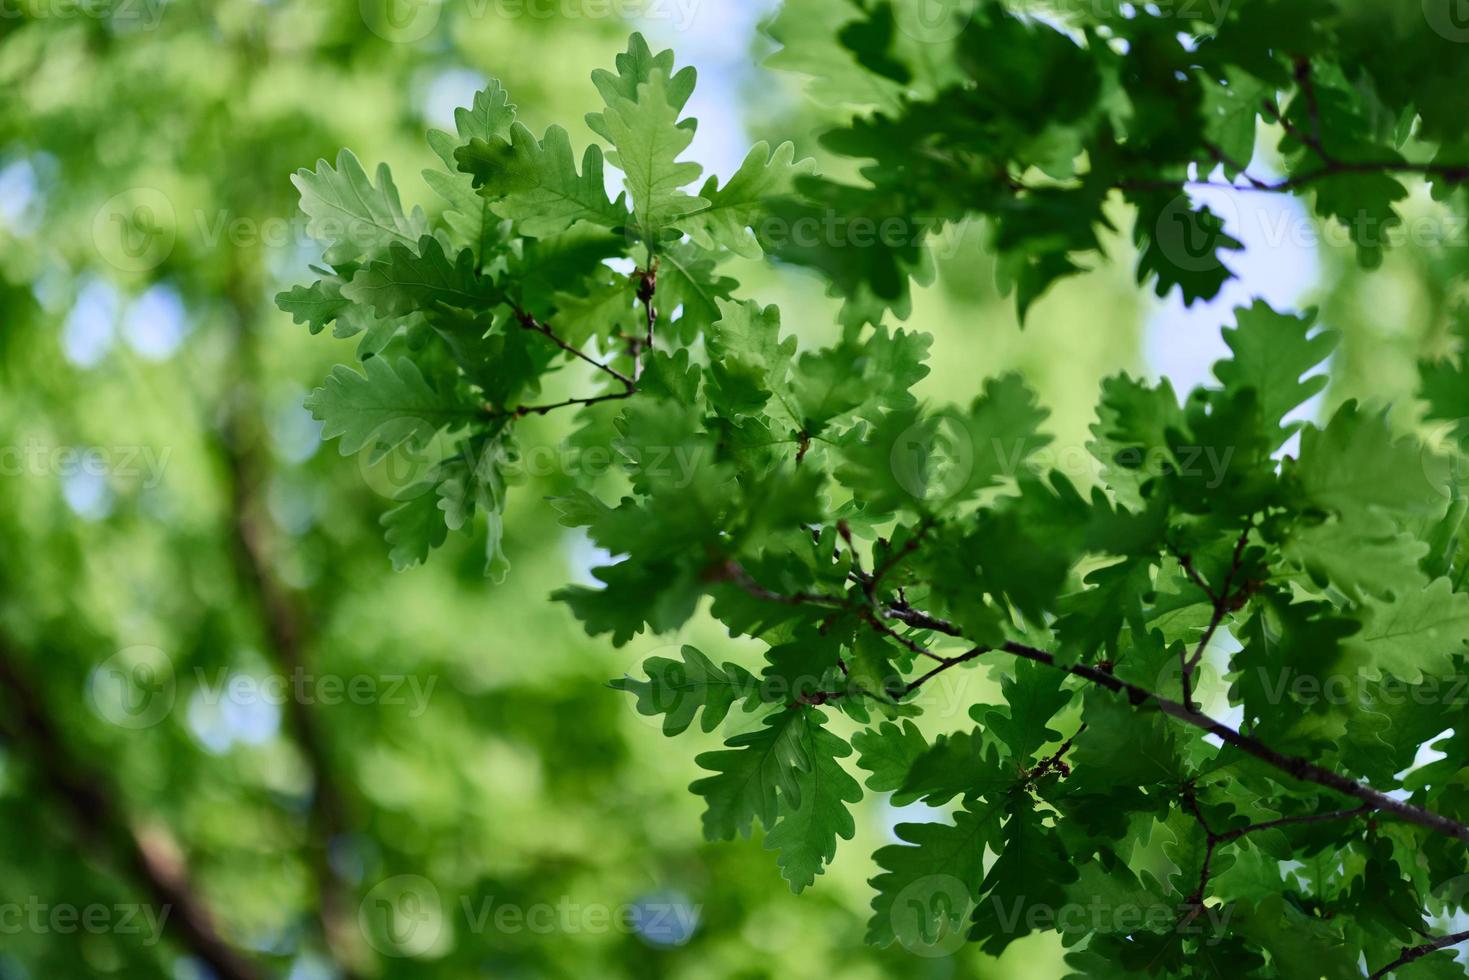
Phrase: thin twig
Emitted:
{"points": [[1213, 840], [1186, 562], [529, 322], [1195, 902], [872, 620], [1053, 761], [1294, 766], [1418, 952], [1304, 818], [902, 612], [1313, 110], [1222, 601], [647, 289], [1224, 158], [1456, 173], [524, 410], [945, 664], [909, 546], [733, 571], [844, 531]]}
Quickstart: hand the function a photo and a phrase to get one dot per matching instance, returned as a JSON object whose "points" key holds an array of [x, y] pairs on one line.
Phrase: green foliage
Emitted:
{"points": [[878, 545], [351, 215]]}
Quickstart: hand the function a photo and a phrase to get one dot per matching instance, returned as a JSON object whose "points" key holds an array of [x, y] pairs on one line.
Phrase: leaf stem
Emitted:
{"points": [[1223, 601], [529, 322]]}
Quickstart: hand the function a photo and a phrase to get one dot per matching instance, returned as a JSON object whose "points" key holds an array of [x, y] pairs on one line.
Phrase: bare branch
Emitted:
{"points": [[102, 825], [286, 630]]}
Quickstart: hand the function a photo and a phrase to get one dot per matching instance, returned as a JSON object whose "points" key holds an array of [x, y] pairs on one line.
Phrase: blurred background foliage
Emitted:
{"points": [[146, 221]]}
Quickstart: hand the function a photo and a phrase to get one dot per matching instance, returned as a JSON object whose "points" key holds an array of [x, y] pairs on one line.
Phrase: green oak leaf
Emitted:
{"points": [[351, 216]]}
